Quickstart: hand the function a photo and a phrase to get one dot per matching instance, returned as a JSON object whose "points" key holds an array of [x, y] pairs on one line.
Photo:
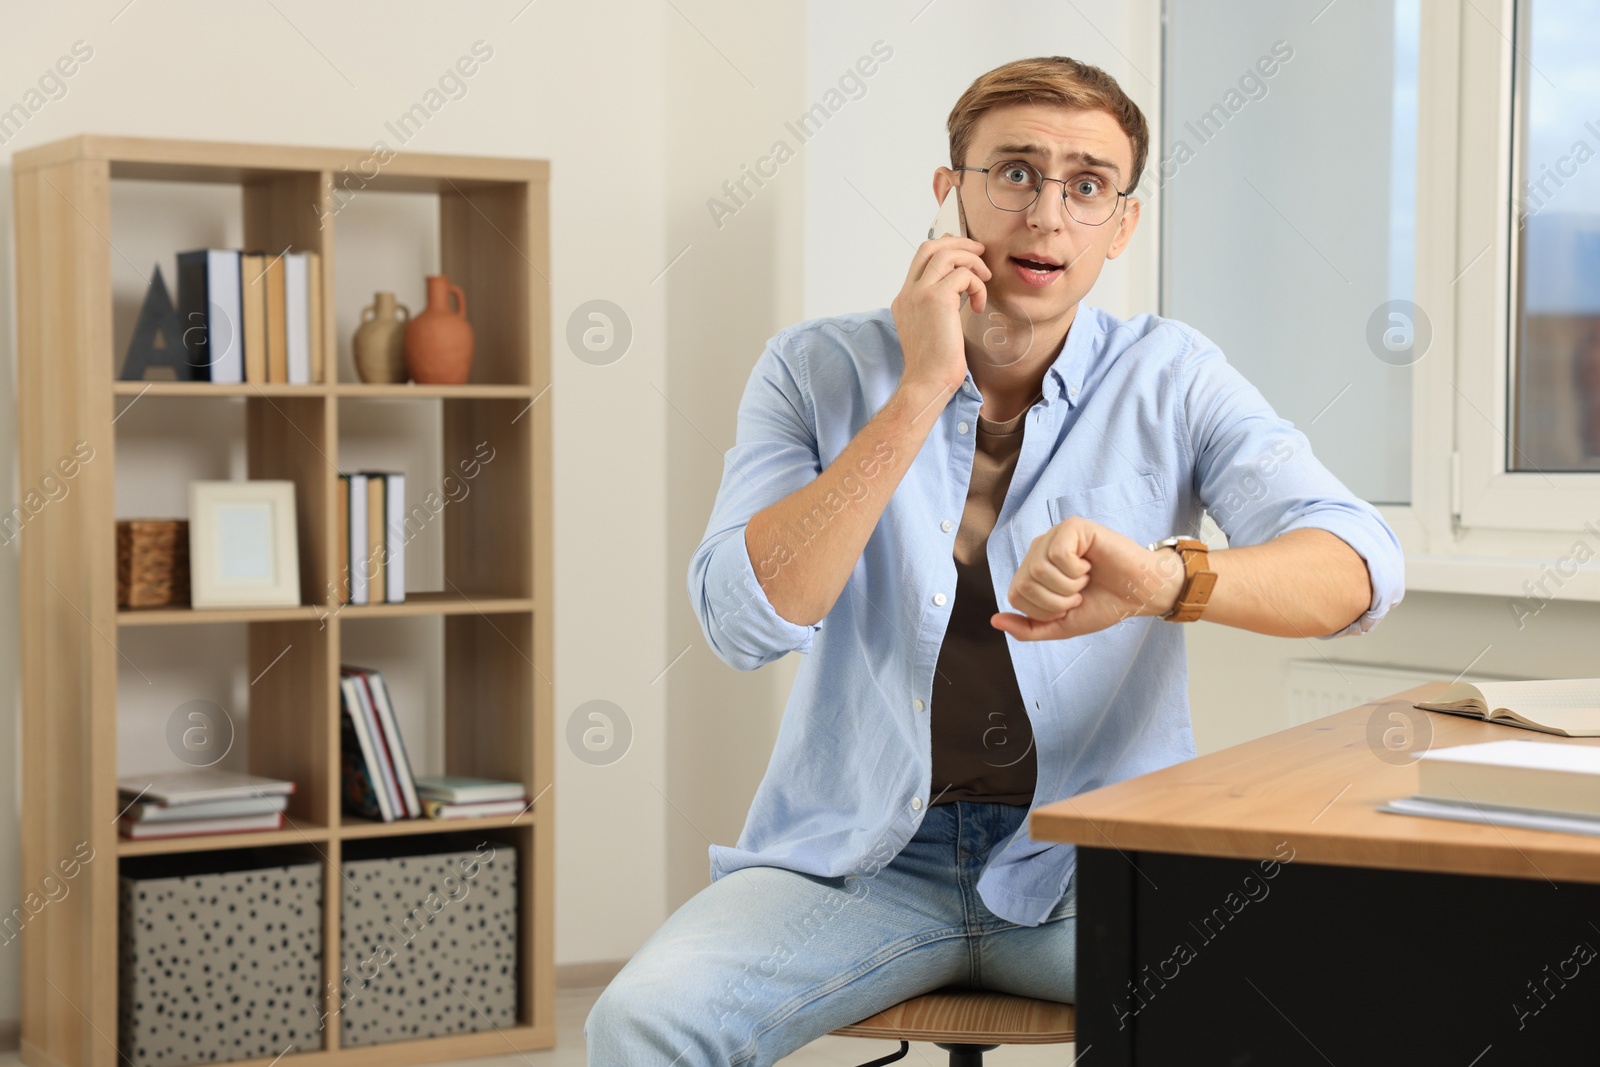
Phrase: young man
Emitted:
{"points": [[955, 507]]}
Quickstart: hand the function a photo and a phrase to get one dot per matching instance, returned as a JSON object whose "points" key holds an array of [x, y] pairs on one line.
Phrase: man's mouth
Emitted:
{"points": [[1041, 267]]}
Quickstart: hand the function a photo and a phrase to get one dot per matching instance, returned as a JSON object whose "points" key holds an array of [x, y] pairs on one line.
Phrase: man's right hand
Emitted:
{"points": [[927, 311]]}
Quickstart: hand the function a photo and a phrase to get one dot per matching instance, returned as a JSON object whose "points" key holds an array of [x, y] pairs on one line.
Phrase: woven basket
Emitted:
{"points": [[152, 563]]}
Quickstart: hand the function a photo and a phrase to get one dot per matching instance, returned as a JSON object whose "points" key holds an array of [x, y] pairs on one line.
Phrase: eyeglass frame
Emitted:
{"points": [[1039, 189]]}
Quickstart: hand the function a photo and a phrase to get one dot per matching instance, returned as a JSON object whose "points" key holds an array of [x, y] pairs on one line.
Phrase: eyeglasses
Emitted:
{"points": [[1013, 185]]}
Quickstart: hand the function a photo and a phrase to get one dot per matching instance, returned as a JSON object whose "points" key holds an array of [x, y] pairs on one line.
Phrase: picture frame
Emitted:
{"points": [[242, 545]]}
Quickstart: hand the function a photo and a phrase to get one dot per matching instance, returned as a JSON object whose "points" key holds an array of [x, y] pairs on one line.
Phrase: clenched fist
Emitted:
{"points": [[1079, 577]]}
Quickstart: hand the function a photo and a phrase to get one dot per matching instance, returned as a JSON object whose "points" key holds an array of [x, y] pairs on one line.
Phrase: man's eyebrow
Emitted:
{"points": [[1035, 150]]}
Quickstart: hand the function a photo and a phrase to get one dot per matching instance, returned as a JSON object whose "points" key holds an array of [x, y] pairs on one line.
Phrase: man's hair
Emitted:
{"points": [[1054, 80]]}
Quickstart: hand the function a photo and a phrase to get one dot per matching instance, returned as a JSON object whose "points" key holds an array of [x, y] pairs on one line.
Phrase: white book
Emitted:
{"points": [[198, 784], [237, 824], [1566, 706], [297, 316], [222, 290], [397, 754], [380, 746], [206, 809], [360, 564], [395, 537], [1551, 776], [462, 789], [350, 688]]}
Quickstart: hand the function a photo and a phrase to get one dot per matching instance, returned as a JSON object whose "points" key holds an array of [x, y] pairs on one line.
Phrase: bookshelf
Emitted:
{"points": [[494, 611]]}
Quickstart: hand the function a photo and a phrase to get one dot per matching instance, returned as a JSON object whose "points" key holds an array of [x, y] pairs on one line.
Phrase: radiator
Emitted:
{"points": [[1318, 687]]}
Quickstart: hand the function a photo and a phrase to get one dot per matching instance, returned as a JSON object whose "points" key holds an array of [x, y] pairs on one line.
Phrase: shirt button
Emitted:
{"points": [[962, 427], [916, 803], [917, 704], [946, 526], [1072, 390], [938, 600]]}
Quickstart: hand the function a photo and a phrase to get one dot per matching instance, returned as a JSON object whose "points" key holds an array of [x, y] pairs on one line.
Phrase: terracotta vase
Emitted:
{"points": [[439, 341], [379, 343]]}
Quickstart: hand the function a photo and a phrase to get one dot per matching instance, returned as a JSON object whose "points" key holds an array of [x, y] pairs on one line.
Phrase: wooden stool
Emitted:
{"points": [[967, 1023]]}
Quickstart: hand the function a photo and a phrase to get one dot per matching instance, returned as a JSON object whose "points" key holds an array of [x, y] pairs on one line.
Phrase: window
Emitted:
{"points": [[1554, 349]]}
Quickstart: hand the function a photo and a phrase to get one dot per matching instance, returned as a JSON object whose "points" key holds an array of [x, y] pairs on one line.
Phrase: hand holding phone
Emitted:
{"points": [[947, 269]]}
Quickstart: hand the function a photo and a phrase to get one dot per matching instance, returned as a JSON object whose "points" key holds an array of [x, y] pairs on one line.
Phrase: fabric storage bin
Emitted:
{"points": [[428, 944], [220, 957]]}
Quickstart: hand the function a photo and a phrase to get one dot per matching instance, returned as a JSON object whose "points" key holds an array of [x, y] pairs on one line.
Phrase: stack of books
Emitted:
{"points": [[191, 803], [375, 771], [372, 534], [1535, 785], [455, 797], [252, 316]]}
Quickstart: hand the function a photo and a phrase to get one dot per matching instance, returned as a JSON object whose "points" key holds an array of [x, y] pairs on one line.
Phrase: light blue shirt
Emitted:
{"points": [[1142, 425]]}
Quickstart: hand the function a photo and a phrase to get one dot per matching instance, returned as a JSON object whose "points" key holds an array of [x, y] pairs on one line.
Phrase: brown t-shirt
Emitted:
{"points": [[982, 738]]}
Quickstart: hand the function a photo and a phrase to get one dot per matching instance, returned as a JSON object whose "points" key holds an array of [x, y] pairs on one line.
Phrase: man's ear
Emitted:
{"points": [[1125, 227], [943, 180]]}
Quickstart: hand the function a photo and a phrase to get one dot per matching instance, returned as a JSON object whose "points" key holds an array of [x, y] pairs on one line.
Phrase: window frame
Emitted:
{"points": [[1473, 526]]}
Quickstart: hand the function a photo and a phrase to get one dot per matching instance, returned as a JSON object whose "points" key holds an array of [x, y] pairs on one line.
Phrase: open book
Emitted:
{"points": [[1566, 706]]}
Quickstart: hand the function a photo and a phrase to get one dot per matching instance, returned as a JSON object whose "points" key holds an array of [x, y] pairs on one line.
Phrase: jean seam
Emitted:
{"points": [[886, 955]]}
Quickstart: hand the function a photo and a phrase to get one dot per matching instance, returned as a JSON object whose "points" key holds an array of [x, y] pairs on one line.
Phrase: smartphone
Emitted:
{"points": [[950, 219]]}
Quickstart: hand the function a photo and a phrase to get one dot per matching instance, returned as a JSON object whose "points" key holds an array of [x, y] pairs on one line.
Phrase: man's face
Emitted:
{"points": [[1060, 143]]}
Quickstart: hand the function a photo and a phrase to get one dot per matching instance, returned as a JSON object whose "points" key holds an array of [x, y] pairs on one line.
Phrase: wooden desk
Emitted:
{"points": [[1253, 907]]}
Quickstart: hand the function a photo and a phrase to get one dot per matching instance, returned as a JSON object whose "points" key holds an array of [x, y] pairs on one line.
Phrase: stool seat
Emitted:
{"points": [[970, 1016]]}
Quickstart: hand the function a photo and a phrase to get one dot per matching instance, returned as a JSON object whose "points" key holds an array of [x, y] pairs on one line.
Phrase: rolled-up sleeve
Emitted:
{"points": [[774, 453], [1257, 477]]}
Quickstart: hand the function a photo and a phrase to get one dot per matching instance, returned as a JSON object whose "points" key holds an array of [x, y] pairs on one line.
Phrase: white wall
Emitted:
{"points": [[579, 84]]}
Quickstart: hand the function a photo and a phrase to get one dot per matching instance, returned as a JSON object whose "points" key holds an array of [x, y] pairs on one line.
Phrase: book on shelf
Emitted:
{"points": [[200, 801], [371, 522], [198, 784], [1569, 707], [443, 809], [267, 310], [210, 313], [297, 317], [154, 811], [375, 769], [253, 289], [374, 559], [236, 824], [461, 789]]}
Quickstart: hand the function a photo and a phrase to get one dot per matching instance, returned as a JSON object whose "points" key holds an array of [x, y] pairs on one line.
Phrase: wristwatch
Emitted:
{"points": [[1198, 578]]}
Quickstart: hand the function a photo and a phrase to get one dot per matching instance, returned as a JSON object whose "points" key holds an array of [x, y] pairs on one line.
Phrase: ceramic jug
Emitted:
{"points": [[379, 342], [439, 341]]}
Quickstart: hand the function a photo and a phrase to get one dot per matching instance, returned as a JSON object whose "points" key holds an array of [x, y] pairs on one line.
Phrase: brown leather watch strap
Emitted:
{"points": [[1198, 580]]}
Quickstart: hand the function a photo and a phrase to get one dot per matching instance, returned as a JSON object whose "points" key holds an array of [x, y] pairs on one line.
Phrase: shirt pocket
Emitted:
{"points": [[1133, 506]]}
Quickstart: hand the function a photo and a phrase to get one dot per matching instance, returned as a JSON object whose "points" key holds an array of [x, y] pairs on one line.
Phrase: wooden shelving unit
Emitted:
{"points": [[496, 608]]}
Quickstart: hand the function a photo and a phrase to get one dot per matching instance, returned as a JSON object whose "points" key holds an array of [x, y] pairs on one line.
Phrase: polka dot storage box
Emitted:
{"points": [[220, 957], [428, 940]]}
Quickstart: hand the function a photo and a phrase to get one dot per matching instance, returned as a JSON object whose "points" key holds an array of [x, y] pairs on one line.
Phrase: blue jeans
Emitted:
{"points": [[765, 960]]}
